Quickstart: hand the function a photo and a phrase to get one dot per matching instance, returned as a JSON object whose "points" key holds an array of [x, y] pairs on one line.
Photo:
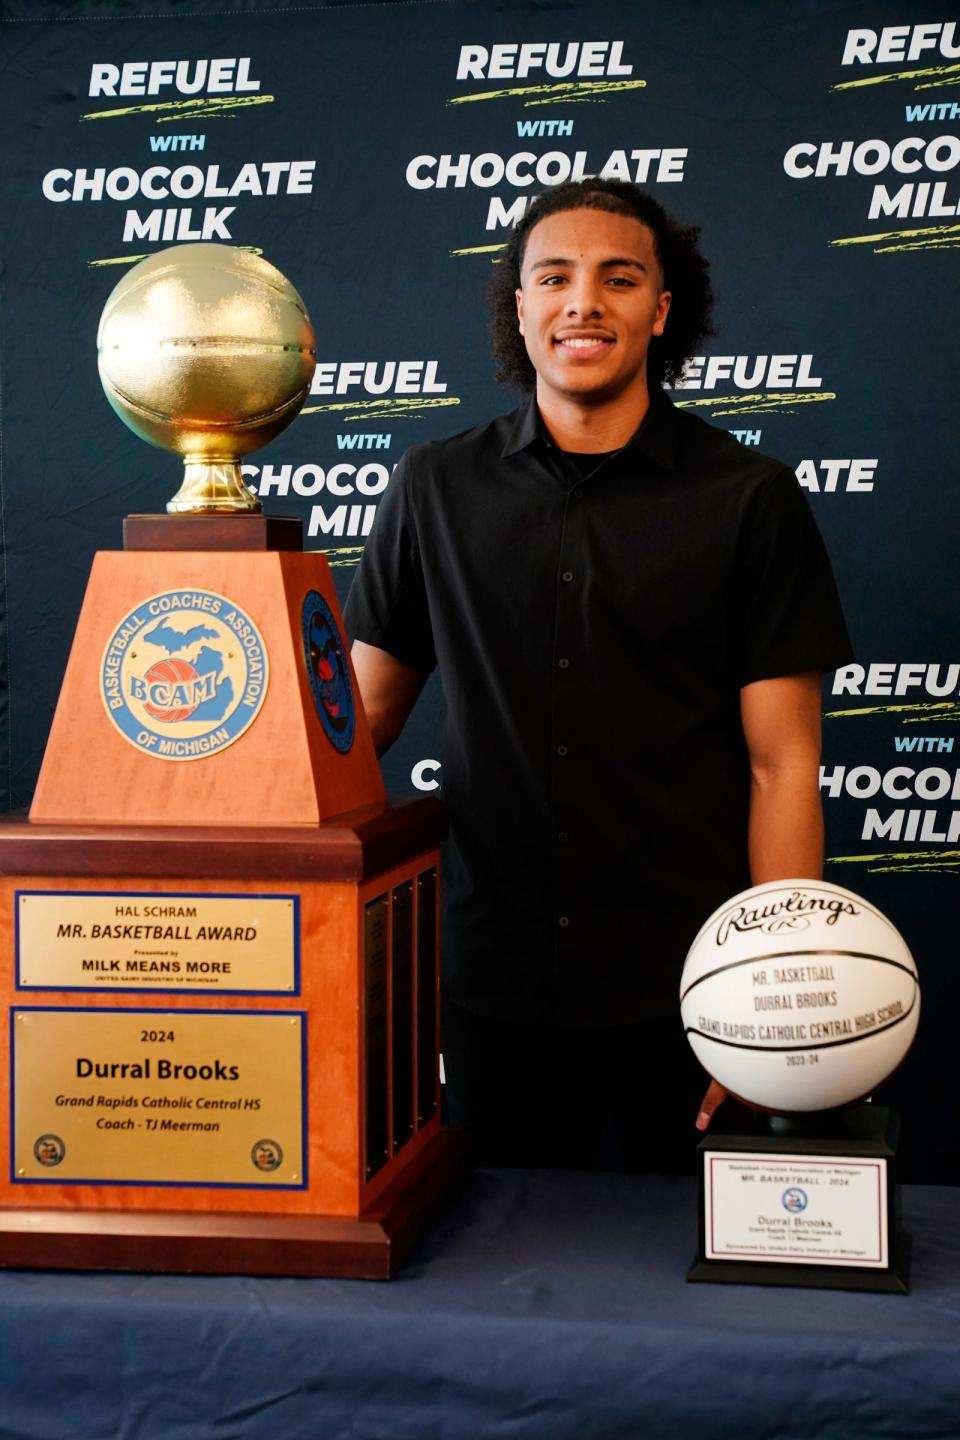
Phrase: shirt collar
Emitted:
{"points": [[655, 437]]}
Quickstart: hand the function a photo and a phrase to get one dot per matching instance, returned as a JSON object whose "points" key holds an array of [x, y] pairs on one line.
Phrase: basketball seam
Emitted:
{"points": [[790, 955], [225, 425], [817, 1045], [210, 344]]}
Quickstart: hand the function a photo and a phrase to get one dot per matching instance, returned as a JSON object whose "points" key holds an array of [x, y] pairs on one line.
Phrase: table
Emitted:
{"points": [[543, 1306]]}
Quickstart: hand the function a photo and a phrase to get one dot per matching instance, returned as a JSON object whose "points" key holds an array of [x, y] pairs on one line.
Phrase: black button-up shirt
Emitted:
{"points": [[593, 631]]}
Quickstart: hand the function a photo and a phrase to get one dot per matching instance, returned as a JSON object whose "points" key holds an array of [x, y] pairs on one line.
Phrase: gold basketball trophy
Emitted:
{"points": [[221, 971], [209, 352]]}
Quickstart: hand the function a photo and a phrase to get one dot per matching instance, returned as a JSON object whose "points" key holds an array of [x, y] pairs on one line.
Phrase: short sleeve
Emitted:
{"points": [[387, 604], [788, 614]]}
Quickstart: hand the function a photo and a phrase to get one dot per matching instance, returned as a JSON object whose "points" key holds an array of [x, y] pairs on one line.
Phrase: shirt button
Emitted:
{"points": [[564, 664], [561, 749], [567, 575], [562, 836], [578, 494], [564, 921]]}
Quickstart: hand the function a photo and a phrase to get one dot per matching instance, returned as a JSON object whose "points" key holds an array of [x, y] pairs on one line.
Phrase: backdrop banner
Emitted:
{"points": [[378, 155]]}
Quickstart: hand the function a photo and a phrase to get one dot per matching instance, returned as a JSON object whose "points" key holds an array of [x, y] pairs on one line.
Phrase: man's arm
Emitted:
{"points": [[781, 725], [388, 689]]}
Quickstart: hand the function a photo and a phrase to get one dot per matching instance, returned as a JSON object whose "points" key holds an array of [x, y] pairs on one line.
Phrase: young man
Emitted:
{"points": [[630, 613]]}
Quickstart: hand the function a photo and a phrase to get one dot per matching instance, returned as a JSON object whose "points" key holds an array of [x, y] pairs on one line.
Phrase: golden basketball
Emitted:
{"points": [[206, 350]]}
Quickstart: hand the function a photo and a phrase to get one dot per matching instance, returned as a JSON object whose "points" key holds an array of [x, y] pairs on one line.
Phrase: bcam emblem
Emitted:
{"points": [[184, 674], [329, 671]]}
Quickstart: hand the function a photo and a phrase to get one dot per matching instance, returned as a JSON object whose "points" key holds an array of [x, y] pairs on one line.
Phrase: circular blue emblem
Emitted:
{"points": [[329, 672], [794, 1199], [184, 674], [49, 1149], [267, 1155]]}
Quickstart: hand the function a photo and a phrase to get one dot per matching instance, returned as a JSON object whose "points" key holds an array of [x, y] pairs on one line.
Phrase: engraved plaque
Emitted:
{"points": [[134, 940], [163, 1097], [804, 1209], [426, 996], [402, 972], [375, 1033]]}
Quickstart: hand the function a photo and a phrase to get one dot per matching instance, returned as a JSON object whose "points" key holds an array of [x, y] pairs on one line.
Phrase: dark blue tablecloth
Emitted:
{"points": [[544, 1306]]}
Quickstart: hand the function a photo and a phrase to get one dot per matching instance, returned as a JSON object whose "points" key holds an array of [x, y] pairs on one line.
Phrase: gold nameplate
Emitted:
{"points": [[150, 941], [159, 1096]]}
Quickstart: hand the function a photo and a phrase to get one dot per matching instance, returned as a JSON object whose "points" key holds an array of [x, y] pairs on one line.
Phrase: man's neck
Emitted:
{"points": [[591, 429]]}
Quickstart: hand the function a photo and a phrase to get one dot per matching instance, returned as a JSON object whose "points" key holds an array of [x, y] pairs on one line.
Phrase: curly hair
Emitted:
{"points": [[685, 275]]}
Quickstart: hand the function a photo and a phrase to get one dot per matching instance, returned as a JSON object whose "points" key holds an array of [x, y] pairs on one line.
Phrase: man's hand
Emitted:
{"points": [[715, 1096]]}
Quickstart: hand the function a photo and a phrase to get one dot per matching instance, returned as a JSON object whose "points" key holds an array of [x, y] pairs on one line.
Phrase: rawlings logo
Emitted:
{"points": [[776, 916]]}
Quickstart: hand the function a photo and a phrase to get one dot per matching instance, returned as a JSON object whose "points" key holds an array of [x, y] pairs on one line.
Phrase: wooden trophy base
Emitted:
{"points": [[370, 1246], [330, 1036], [219, 940], [174, 533]]}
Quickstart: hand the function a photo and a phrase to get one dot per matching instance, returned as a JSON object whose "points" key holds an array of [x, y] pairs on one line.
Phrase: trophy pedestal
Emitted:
{"points": [[221, 940], [810, 1204], [212, 532], [266, 1104], [370, 1246]]}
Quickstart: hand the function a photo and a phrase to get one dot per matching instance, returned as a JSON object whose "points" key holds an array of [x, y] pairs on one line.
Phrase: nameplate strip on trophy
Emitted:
{"points": [[129, 940], [375, 1033], [426, 996], [159, 1097], [402, 1009], [803, 1210]]}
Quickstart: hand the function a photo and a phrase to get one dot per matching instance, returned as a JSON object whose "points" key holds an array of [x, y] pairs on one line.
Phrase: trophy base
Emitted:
{"points": [[806, 1201], [241, 530], [893, 1281], [371, 1246]]}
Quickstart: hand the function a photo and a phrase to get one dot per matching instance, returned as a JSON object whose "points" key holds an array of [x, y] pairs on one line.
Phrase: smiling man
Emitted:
{"points": [[592, 297], [630, 613]]}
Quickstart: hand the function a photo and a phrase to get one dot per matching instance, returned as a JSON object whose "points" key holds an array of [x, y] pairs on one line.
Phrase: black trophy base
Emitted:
{"points": [[893, 1281], [862, 1133]]}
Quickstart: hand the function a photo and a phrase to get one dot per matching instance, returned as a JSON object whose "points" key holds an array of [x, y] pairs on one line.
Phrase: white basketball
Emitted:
{"points": [[799, 995]]}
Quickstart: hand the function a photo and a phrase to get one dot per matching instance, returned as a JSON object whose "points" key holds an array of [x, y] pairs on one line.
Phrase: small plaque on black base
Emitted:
{"points": [[806, 1202]]}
